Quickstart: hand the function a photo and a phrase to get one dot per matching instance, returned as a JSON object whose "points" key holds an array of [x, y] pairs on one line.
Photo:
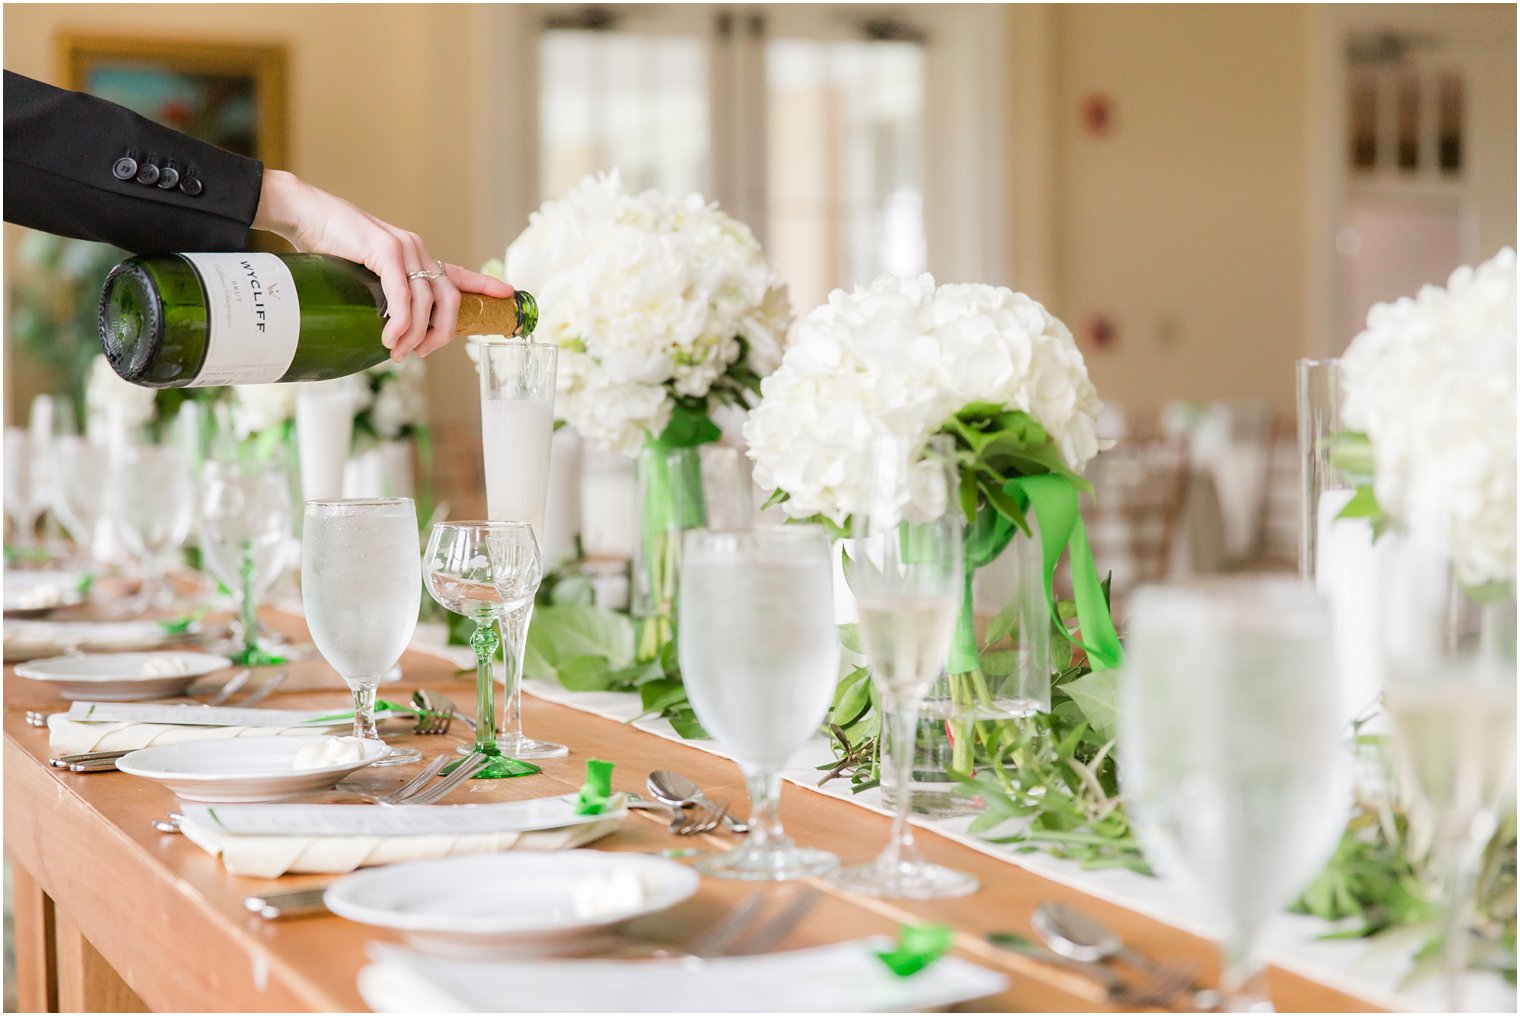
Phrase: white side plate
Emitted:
{"points": [[118, 677], [241, 770]]}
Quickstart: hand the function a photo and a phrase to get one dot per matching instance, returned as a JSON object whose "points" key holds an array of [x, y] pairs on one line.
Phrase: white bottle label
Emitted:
{"points": [[253, 318]]}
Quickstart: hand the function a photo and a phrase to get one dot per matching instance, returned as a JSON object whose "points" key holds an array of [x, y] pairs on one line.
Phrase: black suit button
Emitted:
{"points": [[168, 177], [125, 168], [147, 173], [191, 185]]}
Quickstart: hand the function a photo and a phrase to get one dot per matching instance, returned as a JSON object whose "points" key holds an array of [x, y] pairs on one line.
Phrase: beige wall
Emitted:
{"points": [[1185, 223], [378, 98]]}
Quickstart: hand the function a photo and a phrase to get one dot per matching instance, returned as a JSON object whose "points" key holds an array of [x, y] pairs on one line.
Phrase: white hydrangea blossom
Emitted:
{"points": [[902, 356], [647, 297], [256, 408], [399, 399], [117, 403], [1431, 381]]}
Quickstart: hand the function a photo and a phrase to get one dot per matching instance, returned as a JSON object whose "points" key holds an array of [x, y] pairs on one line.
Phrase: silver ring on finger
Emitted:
{"points": [[429, 275]]}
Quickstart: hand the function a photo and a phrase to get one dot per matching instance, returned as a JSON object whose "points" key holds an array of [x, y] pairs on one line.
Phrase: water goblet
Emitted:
{"points": [[1234, 765], [908, 580], [760, 657], [79, 496], [245, 535], [25, 486], [361, 587], [480, 570], [152, 501]]}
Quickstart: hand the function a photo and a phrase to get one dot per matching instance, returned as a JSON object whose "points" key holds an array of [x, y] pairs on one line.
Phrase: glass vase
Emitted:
{"points": [[671, 500]]}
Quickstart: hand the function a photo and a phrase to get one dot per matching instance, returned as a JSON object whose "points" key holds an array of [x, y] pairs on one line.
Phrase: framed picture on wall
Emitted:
{"points": [[228, 94]]}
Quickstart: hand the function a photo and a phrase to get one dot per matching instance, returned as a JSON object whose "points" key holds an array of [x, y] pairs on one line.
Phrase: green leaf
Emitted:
{"points": [[689, 426], [777, 497], [854, 697], [1097, 694], [658, 696], [586, 673], [684, 722], [849, 637], [559, 634], [1005, 624]]}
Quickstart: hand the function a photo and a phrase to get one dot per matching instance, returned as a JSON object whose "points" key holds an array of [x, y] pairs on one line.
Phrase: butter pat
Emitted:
{"points": [[330, 751], [165, 666], [608, 893]]}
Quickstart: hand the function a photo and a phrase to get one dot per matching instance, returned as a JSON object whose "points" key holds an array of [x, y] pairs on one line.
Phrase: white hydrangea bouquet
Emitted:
{"points": [[991, 368], [662, 307], [1430, 395], [658, 304]]}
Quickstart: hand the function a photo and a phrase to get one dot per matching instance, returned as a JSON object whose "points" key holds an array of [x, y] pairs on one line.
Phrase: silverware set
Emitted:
{"points": [[694, 812], [1076, 941]]}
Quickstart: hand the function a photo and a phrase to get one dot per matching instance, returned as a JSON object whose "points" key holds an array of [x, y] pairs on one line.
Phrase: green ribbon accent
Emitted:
{"points": [[179, 625], [381, 706], [917, 947], [1054, 500], [596, 793]]}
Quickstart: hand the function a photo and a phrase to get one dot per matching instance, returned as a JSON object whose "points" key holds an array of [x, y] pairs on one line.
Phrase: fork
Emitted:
{"points": [[690, 823], [405, 794], [275, 680], [432, 718], [439, 701]]}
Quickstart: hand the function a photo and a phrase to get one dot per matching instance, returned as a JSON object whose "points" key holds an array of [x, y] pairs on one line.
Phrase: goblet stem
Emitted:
{"points": [[904, 718], [250, 608], [485, 643], [364, 709], [764, 809], [1241, 983]]}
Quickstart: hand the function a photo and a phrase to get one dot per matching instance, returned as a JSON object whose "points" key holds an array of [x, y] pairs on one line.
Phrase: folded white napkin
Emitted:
{"points": [[68, 737], [28, 640], [273, 856], [845, 977]]}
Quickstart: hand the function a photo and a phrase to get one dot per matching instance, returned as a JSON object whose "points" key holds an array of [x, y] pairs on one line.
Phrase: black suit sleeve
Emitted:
{"points": [[80, 166]]}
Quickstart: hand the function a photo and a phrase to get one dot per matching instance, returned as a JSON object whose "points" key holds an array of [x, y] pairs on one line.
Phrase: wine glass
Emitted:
{"points": [[79, 495], [1234, 765], [1449, 692], [908, 580], [760, 658], [152, 499], [361, 587], [517, 425], [25, 487], [480, 570], [245, 534]]}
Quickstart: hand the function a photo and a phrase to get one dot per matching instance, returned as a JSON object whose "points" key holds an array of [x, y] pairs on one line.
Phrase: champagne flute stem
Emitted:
{"points": [[514, 630], [904, 714], [250, 608], [1458, 879], [486, 644]]}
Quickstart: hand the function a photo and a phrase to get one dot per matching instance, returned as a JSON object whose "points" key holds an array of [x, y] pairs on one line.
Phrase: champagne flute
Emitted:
{"points": [[245, 534], [908, 580], [361, 587], [152, 499], [760, 658], [480, 570], [1449, 672], [1234, 765], [79, 496], [517, 421], [24, 498]]}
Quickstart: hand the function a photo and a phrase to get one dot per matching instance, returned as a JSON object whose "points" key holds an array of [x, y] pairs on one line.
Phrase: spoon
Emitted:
{"points": [[1083, 938], [672, 788]]}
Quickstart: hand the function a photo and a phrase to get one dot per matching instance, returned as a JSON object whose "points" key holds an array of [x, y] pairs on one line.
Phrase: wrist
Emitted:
{"points": [[277, 203]]}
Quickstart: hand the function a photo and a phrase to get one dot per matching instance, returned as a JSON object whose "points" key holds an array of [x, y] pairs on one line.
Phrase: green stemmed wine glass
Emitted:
{"points": [[482, 570]]}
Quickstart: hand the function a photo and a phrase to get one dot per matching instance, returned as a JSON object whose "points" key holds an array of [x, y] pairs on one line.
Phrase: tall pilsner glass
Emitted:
{"points": [[1234, 763], [908, 579], [517, 422], [760, 657], [361, 587]]}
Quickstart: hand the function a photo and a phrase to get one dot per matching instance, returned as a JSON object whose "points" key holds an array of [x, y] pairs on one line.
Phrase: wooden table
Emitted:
{"points": [[113, 916]]}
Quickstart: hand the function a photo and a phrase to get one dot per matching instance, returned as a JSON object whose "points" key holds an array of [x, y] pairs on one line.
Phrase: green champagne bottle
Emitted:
{"points": [[199, 320]]}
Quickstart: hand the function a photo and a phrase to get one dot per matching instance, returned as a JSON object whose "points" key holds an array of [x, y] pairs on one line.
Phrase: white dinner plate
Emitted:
{"points": [[844, 977], [488, 904], [119, 677], [34, 593], [242, 770]]}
